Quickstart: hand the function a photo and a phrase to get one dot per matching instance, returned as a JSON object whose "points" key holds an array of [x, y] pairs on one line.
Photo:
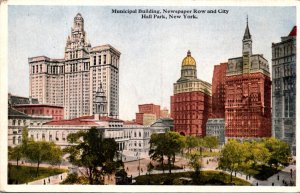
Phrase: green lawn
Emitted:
{"points": [[205, 178], [207, 153], [24, 174]]}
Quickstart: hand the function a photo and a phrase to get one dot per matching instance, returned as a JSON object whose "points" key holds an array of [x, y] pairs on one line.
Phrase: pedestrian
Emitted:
{"points": [[272, 183], [60, 177], [49, 180], [256, 183], [278, 177], [291, 173], [44, 182]]}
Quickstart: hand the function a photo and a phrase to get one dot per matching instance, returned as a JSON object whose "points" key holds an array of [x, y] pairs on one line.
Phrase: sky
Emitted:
{"points": [[151, 49]]}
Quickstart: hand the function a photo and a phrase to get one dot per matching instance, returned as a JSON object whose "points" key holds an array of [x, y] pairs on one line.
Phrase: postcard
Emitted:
{"points": [[177, 96]]}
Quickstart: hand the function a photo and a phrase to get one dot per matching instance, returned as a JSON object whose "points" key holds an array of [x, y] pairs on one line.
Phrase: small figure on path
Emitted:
{"points": [[142, 170], [278, 177], [127, 168], [256, 183], [61, 177], [272, 183], [49, 180], [44, 182]]}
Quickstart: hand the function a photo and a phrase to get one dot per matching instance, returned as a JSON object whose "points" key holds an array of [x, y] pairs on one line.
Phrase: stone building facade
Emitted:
{"points": [[191, 102], [248, 94], [216, 127], [132, 138], [17, 121], [284, 88], [72, 82]]}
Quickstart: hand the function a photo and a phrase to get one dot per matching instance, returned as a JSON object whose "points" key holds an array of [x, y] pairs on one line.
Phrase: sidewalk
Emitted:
{"points": [[51, 180]]}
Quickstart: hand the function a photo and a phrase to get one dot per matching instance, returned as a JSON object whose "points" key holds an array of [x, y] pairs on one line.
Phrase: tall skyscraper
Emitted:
{"points": [[72, 82], [191, 102], [218, 91], [248, 94], [284, 88]]}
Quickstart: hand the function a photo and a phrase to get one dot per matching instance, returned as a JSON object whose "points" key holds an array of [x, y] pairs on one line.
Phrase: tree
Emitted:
{"points": [[15, 153], [157, 148], [279, 151], [196, 165], [165, 144], [42, 151], [211, 142], [232, 156], [174, 143], [200, 144], [93, 152], [190, 142]]}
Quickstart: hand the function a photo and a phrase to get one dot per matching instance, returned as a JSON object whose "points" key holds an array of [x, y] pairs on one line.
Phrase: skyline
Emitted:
{"points": [[160, 60]]}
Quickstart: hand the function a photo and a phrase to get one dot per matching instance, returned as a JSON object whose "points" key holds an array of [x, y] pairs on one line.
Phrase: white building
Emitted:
{"points": [[132, 139], [17, 121], [72, 82]]}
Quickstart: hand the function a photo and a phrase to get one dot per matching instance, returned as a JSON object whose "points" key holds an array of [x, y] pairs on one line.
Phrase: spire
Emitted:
{"points": [[247, 34], [189, 53]]}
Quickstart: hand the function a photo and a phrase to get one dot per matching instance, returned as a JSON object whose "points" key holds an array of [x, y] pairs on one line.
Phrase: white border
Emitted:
{"points": [[110, 188]]}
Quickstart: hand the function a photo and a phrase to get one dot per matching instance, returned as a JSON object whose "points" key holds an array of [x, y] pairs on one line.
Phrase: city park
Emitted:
{"points": [[173, 160]]}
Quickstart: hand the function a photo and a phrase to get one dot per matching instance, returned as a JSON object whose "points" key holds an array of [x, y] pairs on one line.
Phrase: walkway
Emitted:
{"points": [[51, 180]]}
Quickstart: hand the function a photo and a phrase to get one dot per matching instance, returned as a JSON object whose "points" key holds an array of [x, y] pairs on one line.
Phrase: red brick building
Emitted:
{"points": [[56, 112], [218, 91], [191, 102], [148, 114], [248, 95], [150, 109]]}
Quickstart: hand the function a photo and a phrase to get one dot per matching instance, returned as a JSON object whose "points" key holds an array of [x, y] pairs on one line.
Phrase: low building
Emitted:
{"points": [[163, 125], [215, 127], [56, 112], [132, 138], [148, 114], [17, 121], [16, 100]]}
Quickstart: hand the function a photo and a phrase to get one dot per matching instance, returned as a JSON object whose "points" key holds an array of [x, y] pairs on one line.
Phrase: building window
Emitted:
{"points": [[104, 59], [14, 140], [94, 60], [19, 140], [99, 61]]}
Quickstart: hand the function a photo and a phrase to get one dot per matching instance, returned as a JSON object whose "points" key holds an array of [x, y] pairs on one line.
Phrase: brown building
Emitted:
{"points": [[191, 102], [148, 114], [248, 94], [218, 91], [150, 109], [56, 112]]}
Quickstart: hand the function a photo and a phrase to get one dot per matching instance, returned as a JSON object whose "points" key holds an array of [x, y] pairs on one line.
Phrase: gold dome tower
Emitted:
{"points": [[189, 60]]}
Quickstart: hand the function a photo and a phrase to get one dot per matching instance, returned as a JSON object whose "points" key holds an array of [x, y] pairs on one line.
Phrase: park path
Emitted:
{"points": [[51, 180]]}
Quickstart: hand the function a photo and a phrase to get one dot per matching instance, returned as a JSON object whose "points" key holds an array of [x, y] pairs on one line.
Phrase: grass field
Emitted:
{"points": [[25, 174], [188, 178]]}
